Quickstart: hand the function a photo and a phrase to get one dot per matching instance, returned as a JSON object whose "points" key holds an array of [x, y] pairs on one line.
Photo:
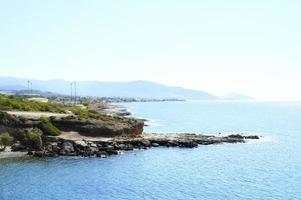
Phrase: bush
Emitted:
{"points": [[48, 128], [6, 139], [33, 139], [92, 114], [18, 103]]}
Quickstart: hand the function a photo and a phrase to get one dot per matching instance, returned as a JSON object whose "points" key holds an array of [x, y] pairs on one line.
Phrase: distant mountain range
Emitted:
{"points": [[135, 89]]}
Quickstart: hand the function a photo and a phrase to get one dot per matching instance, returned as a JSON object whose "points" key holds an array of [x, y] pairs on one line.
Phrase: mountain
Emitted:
{"points": [[236, 96], [135, 89]]}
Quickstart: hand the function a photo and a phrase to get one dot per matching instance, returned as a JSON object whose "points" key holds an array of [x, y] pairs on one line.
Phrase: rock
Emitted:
{"points": [[18, 147], [107, 148], [55, 148], [173, 143], [120, 146], [128, 147], [67, 147], [93, 150], [155, 144], [146, 143], [236, 136], [91, 144], [187, 144], [253, 137], [112, 152], [80, 144], [102, 154]]}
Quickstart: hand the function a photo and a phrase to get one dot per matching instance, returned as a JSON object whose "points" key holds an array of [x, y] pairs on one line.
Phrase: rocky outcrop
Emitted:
{"points": [[99, 128], [87, 127], [105, 148]]}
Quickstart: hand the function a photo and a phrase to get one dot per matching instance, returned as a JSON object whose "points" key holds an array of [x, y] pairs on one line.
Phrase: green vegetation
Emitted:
{"points": [[5, 140], [5, 119], [48, 128], [91, 114], [33, 139], [17, 103]]}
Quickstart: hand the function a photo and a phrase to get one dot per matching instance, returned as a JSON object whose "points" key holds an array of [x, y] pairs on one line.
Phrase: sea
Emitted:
{"points": [[265, 169]]}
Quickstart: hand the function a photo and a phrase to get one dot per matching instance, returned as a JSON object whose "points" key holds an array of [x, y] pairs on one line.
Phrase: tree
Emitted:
{"points": [[5, 140], [33, 139]]}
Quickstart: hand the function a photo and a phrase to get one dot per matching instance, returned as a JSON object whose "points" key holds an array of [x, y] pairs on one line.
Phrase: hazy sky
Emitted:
{"points": [[245, 46]]}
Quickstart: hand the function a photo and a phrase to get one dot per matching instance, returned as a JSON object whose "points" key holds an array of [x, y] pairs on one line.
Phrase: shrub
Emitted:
{"points": [[18, 103], [92, 114], [6, 139], [33, 139], [48, 128]]}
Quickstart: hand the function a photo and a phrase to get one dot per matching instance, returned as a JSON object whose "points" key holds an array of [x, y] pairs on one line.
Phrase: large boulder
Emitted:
{"points": [[67, 148]]}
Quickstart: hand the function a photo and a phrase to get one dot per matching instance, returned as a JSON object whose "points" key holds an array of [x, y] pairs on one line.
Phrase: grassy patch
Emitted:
{"points": [[48, 128], [91, 114], [8, 103]]}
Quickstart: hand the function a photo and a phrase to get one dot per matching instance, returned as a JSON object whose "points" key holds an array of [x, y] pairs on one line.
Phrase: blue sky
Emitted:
{"points": [[251, 47]]}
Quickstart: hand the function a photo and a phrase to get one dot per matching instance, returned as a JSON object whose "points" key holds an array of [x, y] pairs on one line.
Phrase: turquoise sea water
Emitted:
{"points": [[267, 169]]}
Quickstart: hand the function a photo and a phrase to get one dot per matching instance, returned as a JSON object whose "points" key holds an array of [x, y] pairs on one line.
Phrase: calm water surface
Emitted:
{"points": [[269, 169]]}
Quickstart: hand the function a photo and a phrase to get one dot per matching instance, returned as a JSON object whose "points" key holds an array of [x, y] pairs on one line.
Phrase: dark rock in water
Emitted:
{"points": [[155, 144], [107, 148], [93, 150], [102, 154], [128, 147], [172, 143], [253, 137], [146, 143], [237, 136], [112, 152], [188, 144]]}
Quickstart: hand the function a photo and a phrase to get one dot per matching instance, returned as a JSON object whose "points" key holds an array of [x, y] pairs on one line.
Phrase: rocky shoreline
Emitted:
{"points": [[88, 132], [104, 148]]}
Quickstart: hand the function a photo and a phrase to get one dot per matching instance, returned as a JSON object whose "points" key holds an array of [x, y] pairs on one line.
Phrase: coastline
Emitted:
{"points": [[74, 144], [94, 138], [16, 154]]}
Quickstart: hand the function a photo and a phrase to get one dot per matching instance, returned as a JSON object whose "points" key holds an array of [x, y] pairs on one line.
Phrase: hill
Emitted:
{"points": [[135, 89]]}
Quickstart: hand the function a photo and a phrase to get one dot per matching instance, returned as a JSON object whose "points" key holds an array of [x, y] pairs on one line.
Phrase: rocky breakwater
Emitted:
{"points": [[114, 146]]}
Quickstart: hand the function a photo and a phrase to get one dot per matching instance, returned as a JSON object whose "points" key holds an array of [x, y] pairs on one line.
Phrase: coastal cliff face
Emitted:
{"points": [[99, 128], [87, 127]]}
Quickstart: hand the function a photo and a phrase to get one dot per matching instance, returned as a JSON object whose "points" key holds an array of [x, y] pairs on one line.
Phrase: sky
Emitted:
{"points": [[249, 47]]}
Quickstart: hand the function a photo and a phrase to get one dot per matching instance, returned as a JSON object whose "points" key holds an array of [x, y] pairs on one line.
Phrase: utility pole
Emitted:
{"points": [[75, 93], [71, 85], [28, 88], [31, 88]]}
